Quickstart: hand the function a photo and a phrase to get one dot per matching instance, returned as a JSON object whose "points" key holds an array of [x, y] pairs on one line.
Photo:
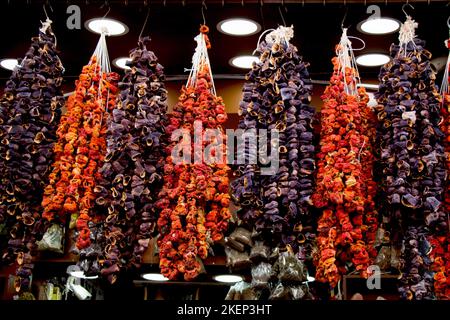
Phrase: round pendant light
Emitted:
{"points": [[110, 26], [154, 277], [228, 278], [238, 27], [9, 64], [379, 26], [372, 59], [122, 63], [243, 62]]}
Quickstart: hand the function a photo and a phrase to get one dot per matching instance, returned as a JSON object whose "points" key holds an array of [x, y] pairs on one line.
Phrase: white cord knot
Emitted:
{"points": [[280, 34], [407, 31], [45, 25]]}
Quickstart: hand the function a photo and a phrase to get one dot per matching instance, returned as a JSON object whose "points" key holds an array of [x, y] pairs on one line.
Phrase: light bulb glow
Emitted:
{"points": [[109, 26], [243, 62], [238, 27], [372, 59]]}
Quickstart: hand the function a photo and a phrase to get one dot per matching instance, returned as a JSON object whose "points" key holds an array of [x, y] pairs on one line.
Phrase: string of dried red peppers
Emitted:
{"points": [[440, 254], [194, 200], [80, 150], [344, 179]]}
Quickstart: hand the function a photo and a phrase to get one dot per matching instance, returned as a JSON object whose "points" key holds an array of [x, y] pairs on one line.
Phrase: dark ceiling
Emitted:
{"points": [[172, 28]]}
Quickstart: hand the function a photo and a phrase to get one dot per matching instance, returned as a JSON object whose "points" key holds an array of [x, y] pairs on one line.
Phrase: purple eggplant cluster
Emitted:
{"points": [[277, 96], [417, 280], [30, 110], [132, 172], [412, 159]]}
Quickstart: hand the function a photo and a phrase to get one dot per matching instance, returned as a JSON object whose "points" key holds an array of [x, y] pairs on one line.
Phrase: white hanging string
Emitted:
{"points": [[259, 39], [407, 34], [199, 60], [103, 62], [347, 60], [444, 87]]}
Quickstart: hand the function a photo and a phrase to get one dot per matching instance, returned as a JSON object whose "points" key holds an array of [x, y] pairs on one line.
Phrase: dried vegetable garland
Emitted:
{"points": [[412, 158], [30, 110], [81, 147], [440, 242], [133, 168], [277, 96], [344, 188], [194, 200]]}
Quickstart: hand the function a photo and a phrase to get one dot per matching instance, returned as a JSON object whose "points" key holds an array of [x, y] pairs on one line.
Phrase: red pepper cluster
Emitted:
{"points": [[344, 180], [440, 256], [440, 253], [194, 200], [80, 149]]}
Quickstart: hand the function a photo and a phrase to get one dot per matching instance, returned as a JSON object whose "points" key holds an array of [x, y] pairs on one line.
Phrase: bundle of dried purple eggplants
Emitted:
{"points": [[30, 110], [275, 204], [412, 163], [277, 96], [133, 168]]}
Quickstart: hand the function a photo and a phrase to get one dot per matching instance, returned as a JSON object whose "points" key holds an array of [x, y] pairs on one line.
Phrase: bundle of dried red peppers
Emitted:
{"points": [[344, 188], [194, 200], [80, 150]]}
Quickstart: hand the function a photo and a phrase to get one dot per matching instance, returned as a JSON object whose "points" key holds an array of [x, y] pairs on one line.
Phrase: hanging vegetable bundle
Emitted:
{"points": [[276, 96], [194, 200], [30, 110], [344, 183], [81, 146], [132, 172], [440, 241], [412, 157]]}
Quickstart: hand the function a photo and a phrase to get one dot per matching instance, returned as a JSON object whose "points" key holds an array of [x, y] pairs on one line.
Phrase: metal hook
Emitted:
{"points": [[109, 9], [145, 22], [45, 10], [404, 6], [448, 22], [203, 13], [282, 17], [343, 19]]}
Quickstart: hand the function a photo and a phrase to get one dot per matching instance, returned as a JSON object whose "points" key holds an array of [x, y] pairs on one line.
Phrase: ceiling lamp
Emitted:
{"points": [[110, 26], [372, 59], [238, 27], [122, 63], [379, 25], [9, 64], [154, 277], [243, 62], [228, 278]]}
